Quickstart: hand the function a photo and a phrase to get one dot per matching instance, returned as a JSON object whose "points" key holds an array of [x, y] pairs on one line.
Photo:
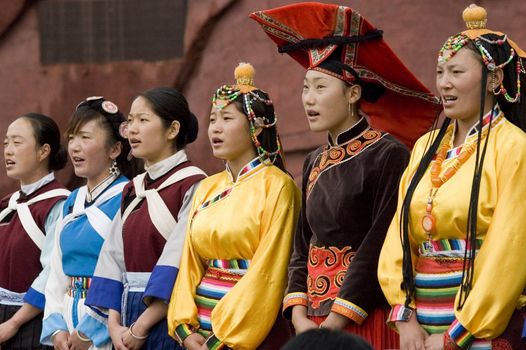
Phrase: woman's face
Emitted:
{"points": [[326, 103], [23, 156], [458, 84], [89, 152], [229, 133], [149, 138]]}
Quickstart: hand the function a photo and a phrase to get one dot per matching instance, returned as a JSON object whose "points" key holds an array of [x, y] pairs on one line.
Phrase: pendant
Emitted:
{"points": [[428, 223]]}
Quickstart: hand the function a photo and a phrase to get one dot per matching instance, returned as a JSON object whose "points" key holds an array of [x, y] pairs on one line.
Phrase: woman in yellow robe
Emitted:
{"points": [[456, 279], [234, 264]]}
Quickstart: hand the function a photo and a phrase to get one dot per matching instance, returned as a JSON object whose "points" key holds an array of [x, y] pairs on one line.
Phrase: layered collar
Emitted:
{"points": [[248, 170], [354, 131], [494, 117], [160, 168], [31, 188]]}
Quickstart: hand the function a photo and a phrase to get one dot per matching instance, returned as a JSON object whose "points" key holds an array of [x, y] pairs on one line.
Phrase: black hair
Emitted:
{"points": [[93, 109], [46, 131], [514, 112], [326, 339], [171, 105], [268, 137]]}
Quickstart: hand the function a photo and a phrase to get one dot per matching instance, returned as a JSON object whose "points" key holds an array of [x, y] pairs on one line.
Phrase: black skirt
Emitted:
{"points": [[28, 336]]}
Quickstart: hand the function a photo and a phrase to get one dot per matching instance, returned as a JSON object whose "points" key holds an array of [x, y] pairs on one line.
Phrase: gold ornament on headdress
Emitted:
{"points": [[475, 17], [244, 74]]}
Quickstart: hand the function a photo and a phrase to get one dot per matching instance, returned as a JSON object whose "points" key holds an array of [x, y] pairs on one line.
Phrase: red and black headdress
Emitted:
{"points": [[338, 41]]}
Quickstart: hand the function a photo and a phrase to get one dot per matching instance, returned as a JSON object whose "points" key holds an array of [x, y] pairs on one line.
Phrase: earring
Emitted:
{"points": [[351, 111], [114, 170], [494, 85]]}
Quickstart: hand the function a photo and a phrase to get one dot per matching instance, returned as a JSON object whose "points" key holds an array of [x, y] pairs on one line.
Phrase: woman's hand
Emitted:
{"points": [[435, 342], [412, 335], [60, 340], [117, 333], [335, 322], [300, 321], [75, 343], [195, 341], [7, 330]]}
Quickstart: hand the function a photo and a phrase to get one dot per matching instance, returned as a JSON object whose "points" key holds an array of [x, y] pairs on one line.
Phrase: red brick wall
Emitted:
{"points": [[414, 29]]}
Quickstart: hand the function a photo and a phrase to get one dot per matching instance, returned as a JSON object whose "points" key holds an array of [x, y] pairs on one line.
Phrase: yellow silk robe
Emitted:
{"points": [[500, 265], [255, 221]]}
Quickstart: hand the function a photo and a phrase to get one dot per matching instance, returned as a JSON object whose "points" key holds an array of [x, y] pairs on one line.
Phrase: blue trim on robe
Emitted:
{"points": [[35, 298], [524, 331], [50, 325], [161, 283], [93, 328], [105, 293]]}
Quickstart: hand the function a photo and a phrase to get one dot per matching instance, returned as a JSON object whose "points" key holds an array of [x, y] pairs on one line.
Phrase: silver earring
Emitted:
{"points": [[114, 170]]}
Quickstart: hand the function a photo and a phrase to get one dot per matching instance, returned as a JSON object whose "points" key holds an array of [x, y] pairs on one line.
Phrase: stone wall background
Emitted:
{"points": [[219, 35]]}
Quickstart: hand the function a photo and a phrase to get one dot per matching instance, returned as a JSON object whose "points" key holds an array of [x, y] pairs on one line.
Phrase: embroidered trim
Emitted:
{"points": [[349, 310], [182, 332], [335, 155], [400, 313], [460, 335], [326, 267], [215, 344], [243, 174], [292, 299]]}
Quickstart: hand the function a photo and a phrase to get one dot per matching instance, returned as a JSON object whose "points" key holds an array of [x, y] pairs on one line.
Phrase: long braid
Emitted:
{"points": [[407, 264]]}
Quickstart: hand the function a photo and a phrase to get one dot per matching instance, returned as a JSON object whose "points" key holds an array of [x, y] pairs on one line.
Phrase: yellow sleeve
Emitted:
{"points": [[245, 315], [182, 309], [500, 266], [391, 255]]}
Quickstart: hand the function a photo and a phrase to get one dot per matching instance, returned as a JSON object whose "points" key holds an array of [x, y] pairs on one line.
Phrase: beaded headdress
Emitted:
{"points": [[244, 87], [475, 18], [339, 41]]}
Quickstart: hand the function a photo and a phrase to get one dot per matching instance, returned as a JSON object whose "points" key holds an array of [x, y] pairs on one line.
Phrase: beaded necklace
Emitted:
{"points": [[437, 180]]}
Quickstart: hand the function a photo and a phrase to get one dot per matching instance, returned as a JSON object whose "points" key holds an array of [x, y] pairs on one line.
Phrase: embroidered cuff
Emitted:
{"points": [[400, 313], [349, 310], [182, 332], [215, 344], [459, 335], [293, 299]]}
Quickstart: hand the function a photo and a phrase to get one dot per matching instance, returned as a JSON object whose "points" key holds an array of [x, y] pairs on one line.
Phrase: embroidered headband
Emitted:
{"points": [[244, 87], [475, 18]]}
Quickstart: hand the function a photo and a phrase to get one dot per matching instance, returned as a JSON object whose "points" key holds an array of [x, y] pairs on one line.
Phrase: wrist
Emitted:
{"points": [[137, 332], [83, 337]]}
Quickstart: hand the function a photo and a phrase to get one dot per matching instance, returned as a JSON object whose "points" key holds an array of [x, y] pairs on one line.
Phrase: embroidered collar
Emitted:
{"points": [[349, 134], [496, 117], [160, 168], [248, 170], [100, 187], [28, 189]]}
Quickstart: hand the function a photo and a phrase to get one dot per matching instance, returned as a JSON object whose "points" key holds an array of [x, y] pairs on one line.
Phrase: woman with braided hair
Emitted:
{"points": [[234, 265], [456, 279]]}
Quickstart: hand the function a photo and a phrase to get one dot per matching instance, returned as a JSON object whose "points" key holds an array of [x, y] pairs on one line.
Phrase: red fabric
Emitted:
{"points": [[20, 256], [406, 110], [327, 268], [374, 330]]}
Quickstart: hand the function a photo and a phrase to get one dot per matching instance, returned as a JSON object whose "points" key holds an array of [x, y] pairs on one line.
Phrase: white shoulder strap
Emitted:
{"points": [[27, 220], [11, 205], [159, 213], [100, 222]]}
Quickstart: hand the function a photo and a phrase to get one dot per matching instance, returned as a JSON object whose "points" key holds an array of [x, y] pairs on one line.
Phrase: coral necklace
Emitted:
{"points": [[437, 180]]}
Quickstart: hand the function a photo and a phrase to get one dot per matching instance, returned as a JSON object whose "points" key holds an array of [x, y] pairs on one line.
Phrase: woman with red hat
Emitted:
{"points": [[453, 265], [356, 90]]}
